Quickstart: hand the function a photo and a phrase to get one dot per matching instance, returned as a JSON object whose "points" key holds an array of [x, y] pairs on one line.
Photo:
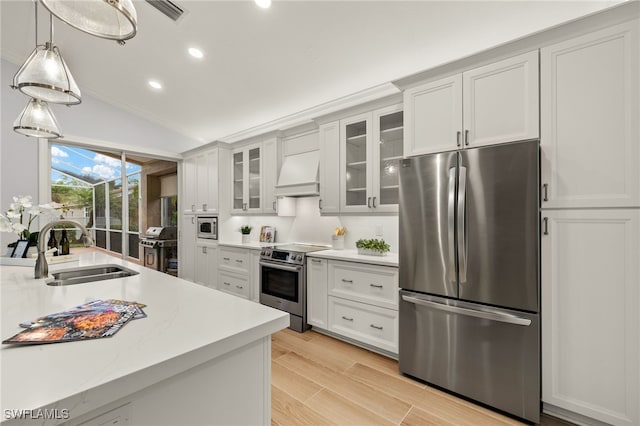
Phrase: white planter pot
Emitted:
{"points": [[246, 238]]}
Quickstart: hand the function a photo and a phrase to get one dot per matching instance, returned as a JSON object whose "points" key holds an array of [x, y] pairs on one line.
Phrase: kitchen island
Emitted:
{"points": [[199, 357]]}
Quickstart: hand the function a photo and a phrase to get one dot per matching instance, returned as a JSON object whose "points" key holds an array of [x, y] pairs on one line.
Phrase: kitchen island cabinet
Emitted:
{"points": [[200, 356]]}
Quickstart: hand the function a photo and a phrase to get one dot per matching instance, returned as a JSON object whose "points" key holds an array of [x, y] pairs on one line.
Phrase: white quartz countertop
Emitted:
{"points": [[186, 325], [390, 259]]}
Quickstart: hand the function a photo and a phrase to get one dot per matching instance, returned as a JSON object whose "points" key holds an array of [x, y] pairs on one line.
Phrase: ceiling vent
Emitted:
{"points": [[169, 8]]}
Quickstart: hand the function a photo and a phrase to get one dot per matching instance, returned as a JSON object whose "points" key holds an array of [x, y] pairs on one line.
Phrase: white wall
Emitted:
{"points": [[91, 120], [309, 227]]}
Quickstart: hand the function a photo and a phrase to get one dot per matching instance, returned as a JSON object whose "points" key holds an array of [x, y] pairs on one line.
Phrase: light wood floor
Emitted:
{"points": [[318, 380]]}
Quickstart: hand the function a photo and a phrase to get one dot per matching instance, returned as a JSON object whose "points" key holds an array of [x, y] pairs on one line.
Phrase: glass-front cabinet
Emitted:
{"points": [[371, 147], [247, 179]]}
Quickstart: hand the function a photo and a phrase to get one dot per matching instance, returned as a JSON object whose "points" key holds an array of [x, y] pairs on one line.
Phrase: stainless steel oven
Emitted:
{"points": [[283, 281], [207, 227]]}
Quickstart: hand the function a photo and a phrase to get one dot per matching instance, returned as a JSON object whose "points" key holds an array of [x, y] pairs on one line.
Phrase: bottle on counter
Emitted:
{"points": [[64, 243], [53, 243]]}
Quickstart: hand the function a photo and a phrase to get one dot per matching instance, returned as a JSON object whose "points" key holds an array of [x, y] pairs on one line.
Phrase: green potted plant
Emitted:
{"points": [[372, 247], [245, 230]]}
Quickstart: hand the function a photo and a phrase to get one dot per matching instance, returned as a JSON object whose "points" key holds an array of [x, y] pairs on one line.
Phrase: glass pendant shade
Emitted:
{"points": [[110, 19], [37, 120], [45, 76]]}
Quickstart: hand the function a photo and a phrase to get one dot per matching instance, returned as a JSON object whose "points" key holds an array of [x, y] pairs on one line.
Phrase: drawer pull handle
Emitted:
{"points": [[347, 281], [316, 261], [238, 260], [226, 283], [240, 287], [347, 319], [376, 327], [376, 285], [225, 258]]}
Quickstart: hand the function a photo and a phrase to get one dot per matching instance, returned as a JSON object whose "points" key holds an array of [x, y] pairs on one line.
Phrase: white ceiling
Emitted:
{"points": [[261, 65]]}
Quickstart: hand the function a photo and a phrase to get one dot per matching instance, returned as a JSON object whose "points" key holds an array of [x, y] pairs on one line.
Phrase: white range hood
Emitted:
{"points": [[299, 175]]}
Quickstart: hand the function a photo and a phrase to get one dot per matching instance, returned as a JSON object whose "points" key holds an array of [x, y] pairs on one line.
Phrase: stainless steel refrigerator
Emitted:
{"points": [[469, 274]]}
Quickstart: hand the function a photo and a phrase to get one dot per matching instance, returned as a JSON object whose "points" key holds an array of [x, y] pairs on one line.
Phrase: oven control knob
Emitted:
{"points": [[263, 252], [268, 252], [299, 257]]}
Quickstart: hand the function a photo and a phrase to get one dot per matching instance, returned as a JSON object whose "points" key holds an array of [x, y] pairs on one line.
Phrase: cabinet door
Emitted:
{"points": [[317, 292], [387, 151], [433, 116], [201, 183], [189, 169], [355, 160], [253, 171], [238, 181], [201, 265], [590, 313], [501, 101], [270, 174], [210, 202], [590, 127], [329, 168], [254, 281], [187, 248]]}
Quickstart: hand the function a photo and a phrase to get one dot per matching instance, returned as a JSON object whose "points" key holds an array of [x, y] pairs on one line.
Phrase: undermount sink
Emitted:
{"points": [[87, 274]]}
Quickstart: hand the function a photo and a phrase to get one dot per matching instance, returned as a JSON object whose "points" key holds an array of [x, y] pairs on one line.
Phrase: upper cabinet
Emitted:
{"points": [[491, 104], [254, 174], [200, 182], [247, 179], [590, 129], [370, 151], [329, 141]]}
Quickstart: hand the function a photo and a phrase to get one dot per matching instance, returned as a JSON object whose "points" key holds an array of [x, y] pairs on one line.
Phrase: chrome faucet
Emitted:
{"points": [[42, 268]]}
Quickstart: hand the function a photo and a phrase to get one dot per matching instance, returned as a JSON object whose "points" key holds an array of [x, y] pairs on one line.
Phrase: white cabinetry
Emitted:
{"points": [[235, 272], [317, 270], [254, 174], [200, 182], [370, 152], [590, 126], [246, 179], [354, 300], [329, 135], [591, 313], [206, 264], [491, 104], [187, 248]]}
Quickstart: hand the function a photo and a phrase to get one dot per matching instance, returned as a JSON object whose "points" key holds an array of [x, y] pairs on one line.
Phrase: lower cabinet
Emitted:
{"points": [[354, 300], [187, 247], [238, 272], [236, 284], [206, 264], [591, 314]]}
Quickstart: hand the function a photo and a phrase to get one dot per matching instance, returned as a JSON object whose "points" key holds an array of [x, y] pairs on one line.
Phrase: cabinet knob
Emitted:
{"points": [[374, 202], [546, 225], [376, 285], [545, 188], [466, 137], [347, 318], [377, 327], [347, 281], [320, 203], [369, 202], [458, 134]]}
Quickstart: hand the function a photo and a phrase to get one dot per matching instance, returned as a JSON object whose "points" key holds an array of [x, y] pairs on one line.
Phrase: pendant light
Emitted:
{"points": [[110, 19], [37, 120], [45, 75]]}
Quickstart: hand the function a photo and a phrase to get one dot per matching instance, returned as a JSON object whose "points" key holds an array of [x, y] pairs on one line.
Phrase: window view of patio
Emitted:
{"points": [[90, 184]]}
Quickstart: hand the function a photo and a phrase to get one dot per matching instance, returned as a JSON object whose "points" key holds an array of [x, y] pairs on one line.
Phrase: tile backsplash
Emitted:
{"points": [[309, 227]]}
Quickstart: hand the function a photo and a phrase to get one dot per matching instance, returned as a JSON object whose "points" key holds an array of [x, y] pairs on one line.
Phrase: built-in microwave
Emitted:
{"points": [[208, 227]]}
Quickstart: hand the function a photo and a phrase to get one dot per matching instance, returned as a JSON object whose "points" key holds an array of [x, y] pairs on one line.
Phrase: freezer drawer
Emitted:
{"points": [[486, 354]]}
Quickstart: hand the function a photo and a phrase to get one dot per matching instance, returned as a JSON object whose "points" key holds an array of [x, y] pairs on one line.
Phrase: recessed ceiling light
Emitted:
{"points": [[196, 53], [155, 84], [265, 4]]}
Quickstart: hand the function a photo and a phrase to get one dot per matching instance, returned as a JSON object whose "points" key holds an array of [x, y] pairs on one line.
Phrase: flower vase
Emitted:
{"points": [[245, 238]]}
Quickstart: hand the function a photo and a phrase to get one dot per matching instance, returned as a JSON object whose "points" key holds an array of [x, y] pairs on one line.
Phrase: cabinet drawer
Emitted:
{"points": [[237, 285], [234, 258], [368, 324], [377, 285]]}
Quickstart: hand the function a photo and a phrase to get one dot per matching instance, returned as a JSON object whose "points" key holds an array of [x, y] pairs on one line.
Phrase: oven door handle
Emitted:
{"points": [[283, 267]]}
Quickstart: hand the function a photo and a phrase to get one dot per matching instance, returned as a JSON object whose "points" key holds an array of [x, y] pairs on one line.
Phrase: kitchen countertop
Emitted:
{"points": [[391, 259], [187, 324], [252, 245]]}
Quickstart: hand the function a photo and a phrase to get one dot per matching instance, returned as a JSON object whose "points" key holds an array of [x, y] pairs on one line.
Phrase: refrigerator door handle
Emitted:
{"points": [[462, 232], [492, 316], [451, 224]]}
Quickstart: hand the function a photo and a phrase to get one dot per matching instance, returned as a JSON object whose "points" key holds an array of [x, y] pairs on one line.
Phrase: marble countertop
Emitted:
{"points": [[390, 259], [187, 324], [252, 245]]}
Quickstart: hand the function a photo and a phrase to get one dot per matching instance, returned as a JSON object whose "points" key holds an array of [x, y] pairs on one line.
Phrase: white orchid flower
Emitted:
{"points": [[11, 214], [5, 224], [35, 211], [18, 228]]}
